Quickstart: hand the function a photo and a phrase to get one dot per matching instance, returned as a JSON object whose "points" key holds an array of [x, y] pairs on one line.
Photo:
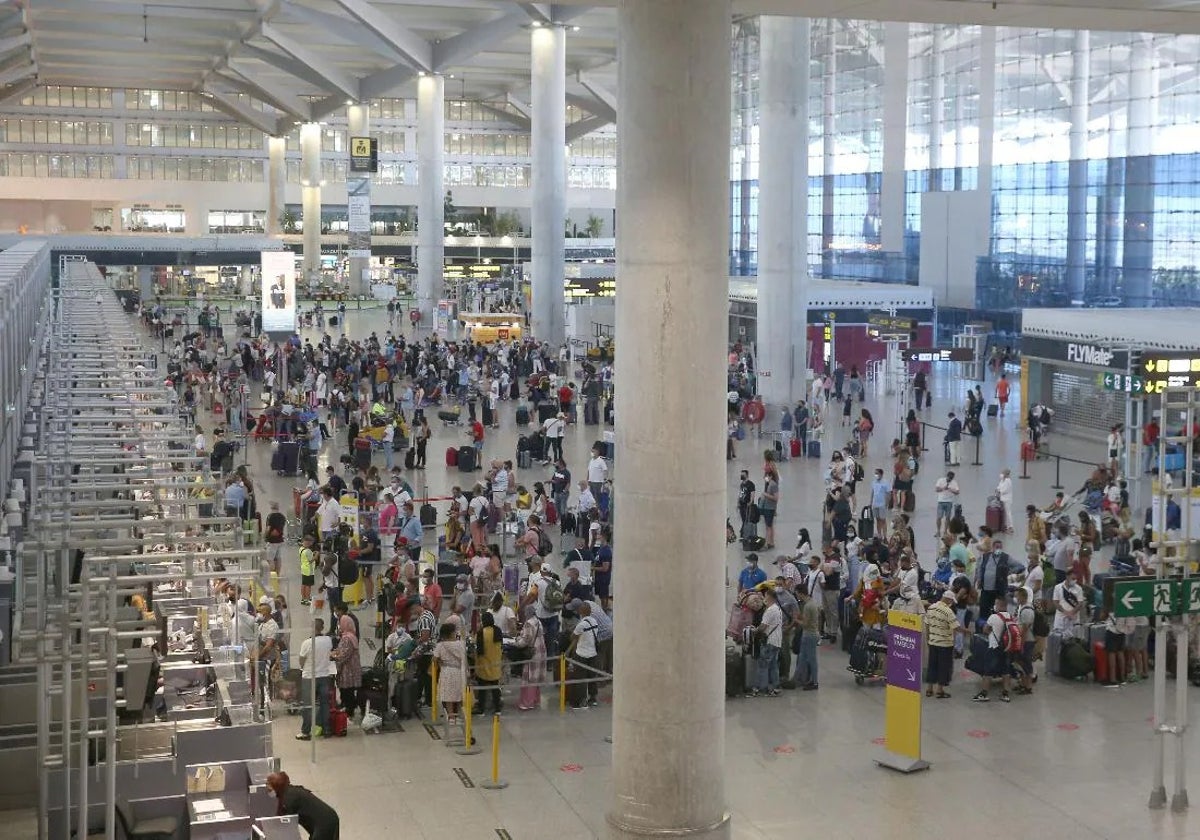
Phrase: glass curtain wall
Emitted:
{"points": [[1118, 226]]}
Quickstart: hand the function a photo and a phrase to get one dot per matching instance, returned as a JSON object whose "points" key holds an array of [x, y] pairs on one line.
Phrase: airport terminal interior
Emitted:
{"points": [[686, 418]]}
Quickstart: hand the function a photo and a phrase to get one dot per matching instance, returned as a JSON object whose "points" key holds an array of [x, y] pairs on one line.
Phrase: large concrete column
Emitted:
{"points": [[937, 106], [1108, 213], [431, 207], [829, 111], [745, 255], [276, 184], [1139, 174], [987, 118], [310, 192], [548, 148], [358, 189], [673, 205], [782, 205], [895, 136], [1077, 166]]}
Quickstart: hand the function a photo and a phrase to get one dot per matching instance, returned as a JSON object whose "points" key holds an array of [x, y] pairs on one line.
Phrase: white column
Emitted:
{"points": [[829, 110], [782, 205], [987, 116], [431, 209], [1138, 252], [937, 104], [276, 183], [358, 187], [310, 192], [895, 136], [548, 148], [673, 209]]}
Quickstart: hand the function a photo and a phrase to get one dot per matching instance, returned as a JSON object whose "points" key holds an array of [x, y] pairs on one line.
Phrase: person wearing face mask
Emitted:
{"points": [[462, 610], [768, 501], [315, 816], [267, 640]]}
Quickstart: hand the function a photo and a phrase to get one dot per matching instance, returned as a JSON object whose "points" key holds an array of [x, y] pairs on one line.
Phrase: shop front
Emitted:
{"points": [[1077, 379]]}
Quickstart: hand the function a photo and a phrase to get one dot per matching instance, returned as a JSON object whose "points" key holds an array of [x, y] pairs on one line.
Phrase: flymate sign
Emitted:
{"points": [[1089, 354]]}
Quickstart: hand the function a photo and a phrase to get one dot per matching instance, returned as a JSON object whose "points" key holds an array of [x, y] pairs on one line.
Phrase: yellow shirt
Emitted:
{"points": [[488, 659], [306, 561]]}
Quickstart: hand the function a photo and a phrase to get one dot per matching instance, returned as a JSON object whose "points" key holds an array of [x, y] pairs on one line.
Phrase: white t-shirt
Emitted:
{"points": [[814, 584], [586, 500], [539, 580], [200, 444], [477, 504], [789, 571], [585, 630], [995, 630], [500, 481], [1065, 621], [909, 580], [505, 620], [946, 490], [320, 660], [553, 427], [597, 470], [329, 514], [1035, 581], [772, 625]]}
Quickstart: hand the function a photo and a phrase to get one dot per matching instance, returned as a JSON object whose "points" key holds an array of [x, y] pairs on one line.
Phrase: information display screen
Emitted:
{"points": [[278, 292]]}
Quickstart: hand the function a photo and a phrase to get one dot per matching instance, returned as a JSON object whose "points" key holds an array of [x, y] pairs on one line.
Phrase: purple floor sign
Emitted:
{"points": [[904, 658]]}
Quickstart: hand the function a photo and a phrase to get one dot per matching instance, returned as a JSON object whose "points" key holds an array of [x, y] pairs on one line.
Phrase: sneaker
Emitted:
{"points": [[1004, 697], [580, 708], [752, 693], [981, 697], [773, 692], [810, 687], [593, 702], [305, 603], [303, 737]]}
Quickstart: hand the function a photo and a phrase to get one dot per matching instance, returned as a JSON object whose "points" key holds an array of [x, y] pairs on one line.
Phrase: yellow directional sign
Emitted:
{"points": [[360, 146], [364, 154]]}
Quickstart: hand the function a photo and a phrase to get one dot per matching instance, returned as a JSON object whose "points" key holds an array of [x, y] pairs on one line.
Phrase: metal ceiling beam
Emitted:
{"points": [[454, 51], [332, 78], [412, 47], [231, 107], [285, 63], [342, 28], [117, 28], [15, 92], [7, 45], [158, 9], [16, 74], [605, 97], [384, 82], [585, 126], [259, 88], [515, 120], [541, 12]]}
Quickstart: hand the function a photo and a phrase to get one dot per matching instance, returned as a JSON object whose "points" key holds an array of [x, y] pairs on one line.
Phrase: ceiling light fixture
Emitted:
{"points": [[574, 28], [536, 24]]}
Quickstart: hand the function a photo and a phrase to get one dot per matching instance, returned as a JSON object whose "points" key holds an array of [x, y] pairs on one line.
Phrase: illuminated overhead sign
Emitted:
{"points": [[1160, 371], [933, 354]]}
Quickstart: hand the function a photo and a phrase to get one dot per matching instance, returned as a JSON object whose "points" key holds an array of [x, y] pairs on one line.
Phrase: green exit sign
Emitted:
{"points": [[1155, 597], [1123, 382]]}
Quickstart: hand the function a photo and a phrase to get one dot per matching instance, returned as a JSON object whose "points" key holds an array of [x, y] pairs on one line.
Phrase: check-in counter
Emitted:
{"points": [[226, 798]]}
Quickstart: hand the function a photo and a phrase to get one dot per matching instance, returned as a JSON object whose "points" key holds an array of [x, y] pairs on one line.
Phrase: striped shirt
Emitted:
{"points": [[940, 622]]}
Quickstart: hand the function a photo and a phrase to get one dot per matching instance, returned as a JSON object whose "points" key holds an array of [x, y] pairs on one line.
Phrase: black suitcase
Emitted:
{"points": [[993, 410], [591, 413], [753, 544], [851, 624], [450, 415], [735, 672], [576, 692], [524, 459], [466, 459], [487, 417], [545, 411], [376, 680], [866, 524], [286, 458], [362, 457], [514, 391], [522, 414], [428, 515], [406, 698], [410, 458]]}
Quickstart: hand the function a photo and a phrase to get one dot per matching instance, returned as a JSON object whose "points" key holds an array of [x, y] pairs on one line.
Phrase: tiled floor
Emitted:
{"points": [[1072, 761]]}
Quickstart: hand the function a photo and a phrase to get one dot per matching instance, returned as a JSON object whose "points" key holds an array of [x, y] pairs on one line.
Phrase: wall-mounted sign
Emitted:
{"points": [[364, 154], [933, 354], [1160, 371], [1082, 353]]}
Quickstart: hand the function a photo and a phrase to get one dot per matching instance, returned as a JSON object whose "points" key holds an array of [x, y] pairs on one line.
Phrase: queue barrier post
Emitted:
{"points": [[495, 782], [1057, 485], [1024, 468], [977, 462], [924, 426], [562, 683], [468, 745]]}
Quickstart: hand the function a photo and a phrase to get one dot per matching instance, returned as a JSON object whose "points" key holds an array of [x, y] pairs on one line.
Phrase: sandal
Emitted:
{"points": [[929, 692], [943, 695]]}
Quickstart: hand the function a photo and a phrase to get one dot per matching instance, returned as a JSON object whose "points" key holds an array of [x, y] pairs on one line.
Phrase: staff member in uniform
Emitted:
{"points": [[318, 819]]}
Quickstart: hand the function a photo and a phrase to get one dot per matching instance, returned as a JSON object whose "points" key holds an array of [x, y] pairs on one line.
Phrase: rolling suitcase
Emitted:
{"points": [[851, 624], [452, 457], [450, 416], [1100, 658], [796, 448], [339, 721], [814, 449], [406, 697], [511, 579], [286, 459], [995, 514], [362, 453], [410, 458], [466, 459], [1028, 451], [1053, 655], [524, 459], [522, 415], [866, 524], [545, 411], [735, 671], [428, 515], [993, 410]]}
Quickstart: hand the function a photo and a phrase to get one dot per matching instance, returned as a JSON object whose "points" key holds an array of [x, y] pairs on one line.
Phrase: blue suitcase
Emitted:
{"points": [[814, 449]]}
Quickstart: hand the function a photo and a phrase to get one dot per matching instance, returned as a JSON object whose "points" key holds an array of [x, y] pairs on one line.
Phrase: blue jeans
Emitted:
{"points": [[768, 668], [1149, 458], [550, 631], [322, 705], [806, 660], [945, 510]]}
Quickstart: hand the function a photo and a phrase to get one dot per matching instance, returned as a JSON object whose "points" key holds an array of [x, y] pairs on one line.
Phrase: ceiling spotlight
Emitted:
{"points": [[451, 76], [574, 28], [536, 24], [349, 101], [421, 73]]}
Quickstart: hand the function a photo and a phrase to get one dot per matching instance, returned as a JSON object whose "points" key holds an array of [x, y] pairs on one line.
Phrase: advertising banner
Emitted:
{"points": [[278, 292], [902, 711]]}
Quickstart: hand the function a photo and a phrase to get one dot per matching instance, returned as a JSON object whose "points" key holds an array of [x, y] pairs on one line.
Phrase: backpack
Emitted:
{"points": [[544, 545], [482, 516], [553, 600], [1010, 637]]}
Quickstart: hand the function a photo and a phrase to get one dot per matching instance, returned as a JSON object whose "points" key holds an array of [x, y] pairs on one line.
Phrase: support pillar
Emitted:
{"points": [[431, 207], [668, 759], [549, 137], [782, 206], [310, 192], [358, 199], [895, 136], [1077, 166], [828, 145], [1108, 216], [276, 184], [987, 120], [1139, 174], [937, 104]]}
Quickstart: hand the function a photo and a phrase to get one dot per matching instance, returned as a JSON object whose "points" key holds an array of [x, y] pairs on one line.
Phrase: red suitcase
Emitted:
{"points": [[1028, 451], [995, 515], [797, 450], [338, 723], [1100, 661], [451, 457]]}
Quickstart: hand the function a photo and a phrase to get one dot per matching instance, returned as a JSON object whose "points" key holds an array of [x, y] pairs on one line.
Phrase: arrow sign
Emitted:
{"points": [[1162, 598], [1129, 600], [1149, 366], [1193, 599]]}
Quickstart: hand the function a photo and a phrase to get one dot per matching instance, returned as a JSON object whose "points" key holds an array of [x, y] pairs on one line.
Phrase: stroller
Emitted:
{"points": [[867, 655]]}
